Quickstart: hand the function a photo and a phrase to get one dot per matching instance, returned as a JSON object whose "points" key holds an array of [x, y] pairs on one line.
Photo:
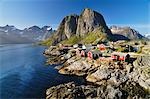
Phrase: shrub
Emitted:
{"points": [[73, 40], [94, 37], [139, 50], [47, 42]]}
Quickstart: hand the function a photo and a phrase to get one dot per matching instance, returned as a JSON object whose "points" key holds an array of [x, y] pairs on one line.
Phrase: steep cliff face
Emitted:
{"points": [[71, 25], [89, 21], [74, 25], [67, 28]]}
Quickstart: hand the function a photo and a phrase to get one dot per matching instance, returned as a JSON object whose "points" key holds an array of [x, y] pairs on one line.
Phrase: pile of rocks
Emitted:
{"points": [[56, 55], [108, 76], [77, 66], [141, 72], [71, 90], [130, 90]]}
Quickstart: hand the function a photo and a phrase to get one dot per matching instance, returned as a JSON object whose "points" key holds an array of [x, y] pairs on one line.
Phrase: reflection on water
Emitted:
{"points": [[24, 75]]}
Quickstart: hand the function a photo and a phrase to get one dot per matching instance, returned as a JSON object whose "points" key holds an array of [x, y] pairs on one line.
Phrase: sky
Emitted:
{"points": [[26, 13]]}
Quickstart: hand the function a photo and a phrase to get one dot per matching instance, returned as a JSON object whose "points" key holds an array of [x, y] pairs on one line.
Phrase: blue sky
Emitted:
{"points": [[26, 13]]}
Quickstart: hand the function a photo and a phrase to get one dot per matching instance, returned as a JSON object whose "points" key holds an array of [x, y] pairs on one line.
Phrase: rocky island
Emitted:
{"points": [[113, 64]]}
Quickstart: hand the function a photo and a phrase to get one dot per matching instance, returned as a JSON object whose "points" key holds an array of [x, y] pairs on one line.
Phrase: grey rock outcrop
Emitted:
{"points": [[75, 66], [113, 77]]}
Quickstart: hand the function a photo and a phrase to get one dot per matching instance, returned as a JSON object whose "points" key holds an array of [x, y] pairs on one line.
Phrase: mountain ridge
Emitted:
{"points": [[9, 34], [128, 32]]}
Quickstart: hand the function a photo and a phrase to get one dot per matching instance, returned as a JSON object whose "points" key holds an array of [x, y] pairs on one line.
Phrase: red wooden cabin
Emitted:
{"points": [[120, 56], [101, 47], [78, 52]]}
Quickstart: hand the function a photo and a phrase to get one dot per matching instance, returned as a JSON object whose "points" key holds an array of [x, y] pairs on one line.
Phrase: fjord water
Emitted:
{"points": [[23, 73]]}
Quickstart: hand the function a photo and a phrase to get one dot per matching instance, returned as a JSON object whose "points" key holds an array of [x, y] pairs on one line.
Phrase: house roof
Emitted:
{"points": [[95, 52], [119, 53]]}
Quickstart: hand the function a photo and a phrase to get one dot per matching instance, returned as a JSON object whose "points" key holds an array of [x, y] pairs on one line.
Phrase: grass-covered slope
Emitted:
{"points": [[90, 38]]}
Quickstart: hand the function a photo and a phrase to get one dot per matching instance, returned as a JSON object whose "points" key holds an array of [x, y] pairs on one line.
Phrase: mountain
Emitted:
{"points": [[37, 34], [10, 34], [147, 36], [125, 33], [90, 21], [87, 23]]}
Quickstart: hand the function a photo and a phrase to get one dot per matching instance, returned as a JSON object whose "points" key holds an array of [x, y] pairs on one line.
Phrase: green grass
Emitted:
{"points": [[94, 37], [140, 50], [73, 40], [47, 42], [90, 38]]}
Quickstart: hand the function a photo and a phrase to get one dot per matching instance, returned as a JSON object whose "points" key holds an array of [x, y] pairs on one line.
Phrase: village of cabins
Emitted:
{"points": [[103, 51]]}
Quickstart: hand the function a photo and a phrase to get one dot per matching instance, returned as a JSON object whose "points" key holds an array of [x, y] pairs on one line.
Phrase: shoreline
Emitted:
{"points": [[99, 75]]}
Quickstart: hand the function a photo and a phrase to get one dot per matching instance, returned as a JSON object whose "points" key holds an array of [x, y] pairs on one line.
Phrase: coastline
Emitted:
{"points": [[123, 79]]}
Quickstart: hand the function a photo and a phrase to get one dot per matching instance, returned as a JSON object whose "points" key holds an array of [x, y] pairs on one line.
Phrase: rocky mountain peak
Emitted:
{"points": [[34, 28], [9, 27], [46, 28], [89, 21], [86, 12]]}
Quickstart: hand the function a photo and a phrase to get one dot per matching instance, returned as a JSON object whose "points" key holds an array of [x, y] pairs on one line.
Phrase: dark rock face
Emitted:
{"points": [[67, 28], [71, 25], [125, 33]]}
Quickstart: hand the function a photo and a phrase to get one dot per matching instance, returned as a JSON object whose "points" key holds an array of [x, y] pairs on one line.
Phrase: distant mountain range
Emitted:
{"points": [[147, 36], [125, 32], [12, 35]]}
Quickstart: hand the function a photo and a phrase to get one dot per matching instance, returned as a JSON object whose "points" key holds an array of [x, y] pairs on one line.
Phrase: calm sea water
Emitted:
{"points": [[23, 73]]}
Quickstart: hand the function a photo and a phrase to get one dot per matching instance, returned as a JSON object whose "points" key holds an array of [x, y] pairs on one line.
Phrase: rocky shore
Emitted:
{"points": [[70, 90], [112, 79]]}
